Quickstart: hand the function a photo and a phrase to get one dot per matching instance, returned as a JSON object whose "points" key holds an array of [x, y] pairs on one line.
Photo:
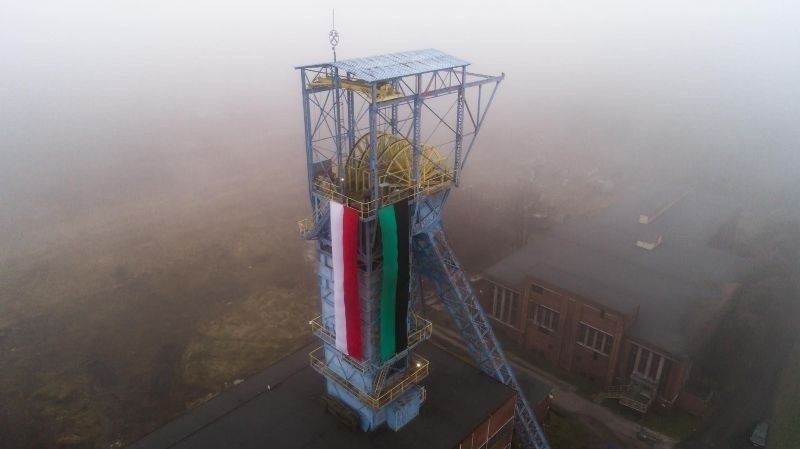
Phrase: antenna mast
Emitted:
{"points": [[333, 36]]}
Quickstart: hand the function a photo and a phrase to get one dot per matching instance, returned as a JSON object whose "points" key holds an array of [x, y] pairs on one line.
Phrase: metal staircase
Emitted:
{"points": [[380, 379], [638, 395], [312, 226], [439, 265], [363, 121]]}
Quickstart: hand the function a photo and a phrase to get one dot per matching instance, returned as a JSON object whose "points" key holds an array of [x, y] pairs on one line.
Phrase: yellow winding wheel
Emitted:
{"points": [[395, 164]]}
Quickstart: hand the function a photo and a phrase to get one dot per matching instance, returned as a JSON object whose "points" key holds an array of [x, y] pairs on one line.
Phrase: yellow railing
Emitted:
{"points": [[617, 391], [421, 329], [318, 329], [367, 207], [623, 393], [306, 225], [418, 370], [634, 404], [384, 91]]}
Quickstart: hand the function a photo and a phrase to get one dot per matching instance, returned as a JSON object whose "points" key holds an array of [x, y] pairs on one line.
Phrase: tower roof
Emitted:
{"points": [[289, 414], [395, 65]]}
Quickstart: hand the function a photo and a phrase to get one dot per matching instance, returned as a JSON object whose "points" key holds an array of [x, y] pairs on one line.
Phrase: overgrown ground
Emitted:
{"points": [[785, 424], [131, 291], [127, 299], [753, 344], [566, 432]]}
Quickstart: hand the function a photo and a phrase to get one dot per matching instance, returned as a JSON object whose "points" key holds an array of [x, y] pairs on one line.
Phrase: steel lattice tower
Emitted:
{"points": [[380, 131]]}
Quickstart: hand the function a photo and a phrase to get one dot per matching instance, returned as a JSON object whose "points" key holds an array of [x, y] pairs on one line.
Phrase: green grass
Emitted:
{"points": [[672, 422], [784, 432], [565, 432]]}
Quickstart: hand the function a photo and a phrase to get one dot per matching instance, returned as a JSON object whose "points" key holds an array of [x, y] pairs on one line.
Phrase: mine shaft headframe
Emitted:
{"points": [[419, 110]]}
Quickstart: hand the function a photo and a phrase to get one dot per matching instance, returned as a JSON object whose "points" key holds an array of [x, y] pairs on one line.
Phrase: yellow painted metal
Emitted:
{"points": [[421, 330], [307, 225], [395, 175], [384, 91], [417, 372], [395, 165]]}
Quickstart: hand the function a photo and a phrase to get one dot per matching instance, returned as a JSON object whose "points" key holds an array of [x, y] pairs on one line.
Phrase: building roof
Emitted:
{"points": [[396, 65], [677, 286], [291, 416]]}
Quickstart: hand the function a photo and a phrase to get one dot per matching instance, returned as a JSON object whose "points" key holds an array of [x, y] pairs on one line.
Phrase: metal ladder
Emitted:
{"points": [[319, 219], [440, 266], [380, 379]]}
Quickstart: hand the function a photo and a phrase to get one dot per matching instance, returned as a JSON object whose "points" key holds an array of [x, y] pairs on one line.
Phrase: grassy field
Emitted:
{"points": [[566, 432], [672, 422], [785, 423], [122, 305]]}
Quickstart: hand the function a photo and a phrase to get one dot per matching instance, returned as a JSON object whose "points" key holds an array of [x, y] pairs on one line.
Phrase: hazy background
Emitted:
{"points": [[152, 166], [99, 97]]}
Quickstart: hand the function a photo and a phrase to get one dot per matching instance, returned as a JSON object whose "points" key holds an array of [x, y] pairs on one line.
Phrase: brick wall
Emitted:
{"points": [[485, 291], [497, 429], [536, 338], [561, 347], [676, 378]]}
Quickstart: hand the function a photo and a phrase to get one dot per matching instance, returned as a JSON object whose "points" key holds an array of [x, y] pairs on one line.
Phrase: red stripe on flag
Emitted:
{"points": [[352, 306]]}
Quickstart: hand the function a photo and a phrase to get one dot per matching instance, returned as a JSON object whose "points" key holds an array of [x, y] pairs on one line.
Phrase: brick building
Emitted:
{"points": [[624, 297]]}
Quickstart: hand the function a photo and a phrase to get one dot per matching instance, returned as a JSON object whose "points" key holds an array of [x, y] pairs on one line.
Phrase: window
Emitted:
{"points": [[543, 316], [505, 305], [595, 339], [647, 363], [537, 289]]}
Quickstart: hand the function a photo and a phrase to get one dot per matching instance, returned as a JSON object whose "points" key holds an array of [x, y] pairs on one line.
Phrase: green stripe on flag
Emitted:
{"points": [[388, 224]]}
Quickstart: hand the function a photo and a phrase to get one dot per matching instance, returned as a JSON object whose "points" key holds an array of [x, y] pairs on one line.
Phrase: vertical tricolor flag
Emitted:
{"points": [[394, 226], [346, 306]]}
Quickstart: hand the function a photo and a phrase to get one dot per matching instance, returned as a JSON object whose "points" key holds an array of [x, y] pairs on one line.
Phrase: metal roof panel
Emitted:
{"points": [[395, 65]]}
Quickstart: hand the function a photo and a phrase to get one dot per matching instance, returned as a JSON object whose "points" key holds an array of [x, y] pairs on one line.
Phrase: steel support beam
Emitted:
{"points": [[440, 266]]}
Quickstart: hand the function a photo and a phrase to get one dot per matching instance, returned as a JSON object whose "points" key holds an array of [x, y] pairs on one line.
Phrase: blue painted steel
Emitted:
{"points": [[479, 122], [373, 143], [460, 126], [351, 119], [415, 76], [337, 113], [307, 131], [406, 408], [397, 65], [417, 128], [438, 264]]}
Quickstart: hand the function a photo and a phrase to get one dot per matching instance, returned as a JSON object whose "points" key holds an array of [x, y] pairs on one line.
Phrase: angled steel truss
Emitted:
{"points": [[428, 99], [439, 265]]}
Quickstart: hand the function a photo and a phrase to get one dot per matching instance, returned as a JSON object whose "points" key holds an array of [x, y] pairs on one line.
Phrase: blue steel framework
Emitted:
{"points": [[361, 100]]}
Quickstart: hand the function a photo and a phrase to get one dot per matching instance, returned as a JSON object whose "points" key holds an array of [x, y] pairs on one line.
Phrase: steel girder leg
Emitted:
{"points": [[438, 264]]}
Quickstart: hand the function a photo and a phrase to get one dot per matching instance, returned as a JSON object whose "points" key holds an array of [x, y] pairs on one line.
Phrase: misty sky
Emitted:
{"points": [[86, 87]]}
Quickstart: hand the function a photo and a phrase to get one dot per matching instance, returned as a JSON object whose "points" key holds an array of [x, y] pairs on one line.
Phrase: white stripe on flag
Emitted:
{"points": [[340, 319]]}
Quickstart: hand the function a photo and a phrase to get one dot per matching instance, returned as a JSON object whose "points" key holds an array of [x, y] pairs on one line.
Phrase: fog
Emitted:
{"points": [[179, 124], [89, 88]]}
